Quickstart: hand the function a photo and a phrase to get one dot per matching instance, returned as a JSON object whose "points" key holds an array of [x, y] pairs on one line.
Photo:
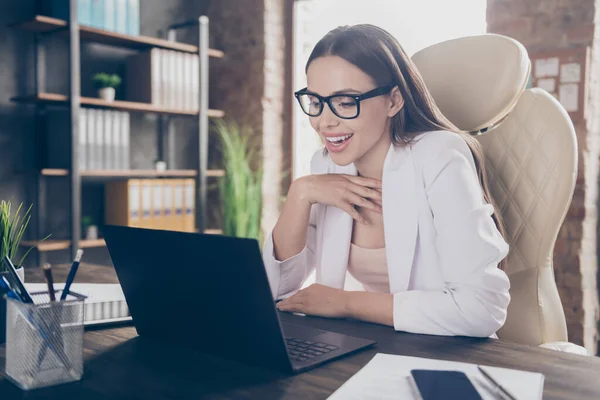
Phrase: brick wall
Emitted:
{"points": [[252, 84], [546, 25]]}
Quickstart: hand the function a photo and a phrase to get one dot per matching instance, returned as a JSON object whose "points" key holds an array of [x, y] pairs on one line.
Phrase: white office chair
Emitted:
{"points": [[479, 83]]}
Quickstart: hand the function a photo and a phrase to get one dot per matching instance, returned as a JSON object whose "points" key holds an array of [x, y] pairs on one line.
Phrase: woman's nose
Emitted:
{"points": [[327, 119]]}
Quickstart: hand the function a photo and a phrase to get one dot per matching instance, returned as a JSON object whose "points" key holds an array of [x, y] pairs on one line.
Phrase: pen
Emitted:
{"points": [[71, 275], [40, 326], [48, 274], [496, 383]]}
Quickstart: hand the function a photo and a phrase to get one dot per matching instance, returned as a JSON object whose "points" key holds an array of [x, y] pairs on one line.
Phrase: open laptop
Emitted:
{"points": [[211, 293]]}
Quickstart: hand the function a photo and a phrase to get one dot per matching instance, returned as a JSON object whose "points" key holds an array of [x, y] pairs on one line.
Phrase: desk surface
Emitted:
{"points": [[119, 364]]}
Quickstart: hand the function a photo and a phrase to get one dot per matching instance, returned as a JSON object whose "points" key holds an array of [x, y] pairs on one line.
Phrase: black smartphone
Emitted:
{"points": [[438, 385]]}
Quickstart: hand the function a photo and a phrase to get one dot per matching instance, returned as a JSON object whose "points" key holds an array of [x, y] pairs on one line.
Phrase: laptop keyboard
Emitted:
{"points": [[302, 350]]}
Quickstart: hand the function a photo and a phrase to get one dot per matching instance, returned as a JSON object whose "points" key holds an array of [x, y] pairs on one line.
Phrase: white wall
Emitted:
{"points": [[416, 24]]}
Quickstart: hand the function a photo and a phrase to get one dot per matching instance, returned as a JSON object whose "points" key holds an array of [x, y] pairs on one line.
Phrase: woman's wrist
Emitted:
{"points": [[299, 190], [346, 299]]}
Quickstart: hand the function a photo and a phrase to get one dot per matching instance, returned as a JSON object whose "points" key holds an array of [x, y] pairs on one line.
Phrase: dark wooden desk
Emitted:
{"points": [[118, 364]]}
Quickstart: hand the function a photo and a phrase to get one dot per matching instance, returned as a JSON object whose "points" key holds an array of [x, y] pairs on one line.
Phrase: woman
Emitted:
{"points": [[397, 198]]}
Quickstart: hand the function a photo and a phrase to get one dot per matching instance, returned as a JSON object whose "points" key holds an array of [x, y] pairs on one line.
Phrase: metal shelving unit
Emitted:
{"points": [[75, 33]]}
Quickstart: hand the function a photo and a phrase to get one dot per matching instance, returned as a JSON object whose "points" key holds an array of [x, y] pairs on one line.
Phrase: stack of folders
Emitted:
{"points": [[103, 140], [121, 16], [167, 204], [164, 78]]}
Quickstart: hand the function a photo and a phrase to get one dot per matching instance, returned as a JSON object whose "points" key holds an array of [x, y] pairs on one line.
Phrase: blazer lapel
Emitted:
{"points": [[399, 216], [399, 220], [337, 235]]}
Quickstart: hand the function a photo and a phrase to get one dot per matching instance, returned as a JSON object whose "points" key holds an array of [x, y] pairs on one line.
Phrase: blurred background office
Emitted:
{"points": [[163, 152]]}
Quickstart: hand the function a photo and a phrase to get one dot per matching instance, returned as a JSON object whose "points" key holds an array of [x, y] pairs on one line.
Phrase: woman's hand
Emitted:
{"points": [[342, 191], [319, 300]]}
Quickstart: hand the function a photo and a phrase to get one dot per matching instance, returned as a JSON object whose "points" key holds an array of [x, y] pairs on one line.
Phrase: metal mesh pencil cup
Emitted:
{"points": [[44, 340]]}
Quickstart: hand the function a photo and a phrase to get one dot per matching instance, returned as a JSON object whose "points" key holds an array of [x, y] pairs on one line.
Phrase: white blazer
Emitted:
{"points": [[442, 245]]}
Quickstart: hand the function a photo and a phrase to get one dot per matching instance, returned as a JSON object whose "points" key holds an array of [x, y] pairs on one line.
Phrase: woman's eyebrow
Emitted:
{"points": [[346, 90], [342, 91]]}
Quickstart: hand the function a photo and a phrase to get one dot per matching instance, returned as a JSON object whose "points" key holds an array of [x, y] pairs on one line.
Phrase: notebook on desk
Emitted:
{"points": [[386, 376], [105, 302]]}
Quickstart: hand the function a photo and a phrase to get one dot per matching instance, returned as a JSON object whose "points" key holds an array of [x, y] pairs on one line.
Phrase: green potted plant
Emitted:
{"points": [[106, 84], [12, 228], [240, 188], [89, 229]]}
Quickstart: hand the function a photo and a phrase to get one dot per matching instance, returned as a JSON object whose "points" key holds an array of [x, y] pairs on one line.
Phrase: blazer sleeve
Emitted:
{"points": [[476, 295], [287, 276]]}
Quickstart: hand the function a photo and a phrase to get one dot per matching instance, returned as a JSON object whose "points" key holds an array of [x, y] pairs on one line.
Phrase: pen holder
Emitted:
{"points": [[44, 341]]}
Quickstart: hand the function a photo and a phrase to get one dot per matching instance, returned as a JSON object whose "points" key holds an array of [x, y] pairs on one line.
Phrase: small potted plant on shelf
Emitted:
{"points": [[106, 84], [90, 230], [160, 165]]}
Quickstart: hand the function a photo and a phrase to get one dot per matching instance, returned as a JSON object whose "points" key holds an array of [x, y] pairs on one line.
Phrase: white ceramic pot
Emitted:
{"points": [[161, 166], [21, 273], [107, 94], [91, 232]]}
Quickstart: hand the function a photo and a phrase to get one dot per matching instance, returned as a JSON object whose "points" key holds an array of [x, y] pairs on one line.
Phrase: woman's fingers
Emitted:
{"points": [[353, 198], [366, 182], [344, 205], [366, 192]]}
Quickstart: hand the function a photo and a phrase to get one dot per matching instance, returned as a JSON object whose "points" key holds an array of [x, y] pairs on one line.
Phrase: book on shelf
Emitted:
{"points": [[120, 16], [103, 140], [165, 78], [152, 203]]}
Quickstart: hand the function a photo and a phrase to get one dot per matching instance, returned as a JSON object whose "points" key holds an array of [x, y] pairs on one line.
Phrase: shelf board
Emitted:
{"points": [[47, 245], [133, 173], [60, 99], [55, 172], [85, 244], [138, 173], [44, 24], [213, 231], [215, 173]]}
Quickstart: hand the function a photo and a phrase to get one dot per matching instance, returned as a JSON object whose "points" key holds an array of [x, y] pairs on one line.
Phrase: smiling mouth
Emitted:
{"points": [[338, 140]]}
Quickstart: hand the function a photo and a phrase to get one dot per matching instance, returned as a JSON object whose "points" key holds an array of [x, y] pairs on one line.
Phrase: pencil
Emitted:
{"points": [[71, 275], [496, 383], [48, 274]]}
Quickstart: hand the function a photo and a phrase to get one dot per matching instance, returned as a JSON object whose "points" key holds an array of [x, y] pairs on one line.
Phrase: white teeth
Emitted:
{"points": [[338, 138]]}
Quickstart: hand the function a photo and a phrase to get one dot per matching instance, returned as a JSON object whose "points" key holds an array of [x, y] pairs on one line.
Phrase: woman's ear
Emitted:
{"points": [[396, 102]]}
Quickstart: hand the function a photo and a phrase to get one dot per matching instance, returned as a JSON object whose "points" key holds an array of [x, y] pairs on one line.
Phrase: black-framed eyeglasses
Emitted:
{"points": [[346, 106]]}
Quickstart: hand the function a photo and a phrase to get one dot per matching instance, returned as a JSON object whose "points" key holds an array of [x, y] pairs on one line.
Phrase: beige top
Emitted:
{"points": [[369, 267]]}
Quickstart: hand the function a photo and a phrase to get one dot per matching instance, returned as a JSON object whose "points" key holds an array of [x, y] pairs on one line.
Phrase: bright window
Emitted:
{"points": [[416, 24]]}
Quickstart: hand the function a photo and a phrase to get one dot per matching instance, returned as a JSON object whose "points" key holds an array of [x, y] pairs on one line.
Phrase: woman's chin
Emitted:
{"points": [[342, 159]]}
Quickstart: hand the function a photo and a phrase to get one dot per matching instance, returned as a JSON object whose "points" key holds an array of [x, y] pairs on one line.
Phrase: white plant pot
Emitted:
{"points": [[107, 94], [91, 232], [21, 273], [160, 166]]}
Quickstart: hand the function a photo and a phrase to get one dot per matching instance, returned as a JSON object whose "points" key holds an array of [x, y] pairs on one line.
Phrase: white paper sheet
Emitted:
{"points": [[570, 73], [546, 67], [568, 95], [547, 84], [386, 377]]}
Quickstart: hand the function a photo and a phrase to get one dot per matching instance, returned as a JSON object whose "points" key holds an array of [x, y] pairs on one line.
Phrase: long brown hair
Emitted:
{"points": [[378, 54]]}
